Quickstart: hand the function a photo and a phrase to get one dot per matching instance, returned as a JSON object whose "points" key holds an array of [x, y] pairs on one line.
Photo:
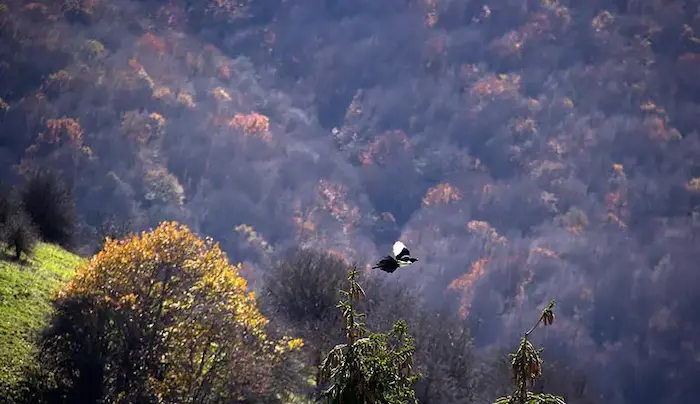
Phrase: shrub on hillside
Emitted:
{"points": [[19, 234], [160, 317], [51, 207]]}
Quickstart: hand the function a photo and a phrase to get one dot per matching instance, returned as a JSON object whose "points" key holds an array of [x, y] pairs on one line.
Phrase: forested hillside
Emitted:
{"points": [[524, 150]]}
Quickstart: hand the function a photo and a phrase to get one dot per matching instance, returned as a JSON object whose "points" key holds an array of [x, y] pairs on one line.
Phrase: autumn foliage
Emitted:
{"points": [[171, 320], [253, 124], [441, 194]]}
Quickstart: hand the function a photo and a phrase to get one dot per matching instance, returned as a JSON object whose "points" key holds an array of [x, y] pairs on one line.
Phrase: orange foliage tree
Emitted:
{"points": [[63, 129], [163, 315], [465, 283], [441, 194], [253, 124]]}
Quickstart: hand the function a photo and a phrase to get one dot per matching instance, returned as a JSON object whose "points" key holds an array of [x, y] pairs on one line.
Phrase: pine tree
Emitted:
{"points": [[368, 368]]}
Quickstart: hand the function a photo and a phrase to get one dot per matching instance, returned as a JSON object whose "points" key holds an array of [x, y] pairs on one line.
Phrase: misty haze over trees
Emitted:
{"points": [[525, 150]]}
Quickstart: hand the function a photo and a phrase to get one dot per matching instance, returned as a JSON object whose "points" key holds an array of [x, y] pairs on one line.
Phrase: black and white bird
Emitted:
{"points": [[399, 258]]}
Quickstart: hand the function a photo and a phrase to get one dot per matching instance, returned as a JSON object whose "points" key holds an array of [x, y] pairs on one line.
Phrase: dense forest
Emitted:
{"points": [[524, 150]]}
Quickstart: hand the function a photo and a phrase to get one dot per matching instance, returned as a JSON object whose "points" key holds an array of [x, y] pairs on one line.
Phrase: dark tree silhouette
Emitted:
{"points": [[16, 228], [51, 207], [7, 203], [19, 234], [301, 292]]}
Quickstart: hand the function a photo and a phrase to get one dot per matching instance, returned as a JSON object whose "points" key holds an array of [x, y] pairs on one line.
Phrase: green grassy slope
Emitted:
{"points": [[25, 293]]}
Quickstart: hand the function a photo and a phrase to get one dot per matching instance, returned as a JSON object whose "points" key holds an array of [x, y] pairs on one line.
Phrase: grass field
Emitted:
{"points": [[25, 292]]}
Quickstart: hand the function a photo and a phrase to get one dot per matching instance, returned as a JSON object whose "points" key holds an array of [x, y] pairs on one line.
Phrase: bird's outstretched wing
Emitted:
{"points": [[386, 264], [400, 250]]}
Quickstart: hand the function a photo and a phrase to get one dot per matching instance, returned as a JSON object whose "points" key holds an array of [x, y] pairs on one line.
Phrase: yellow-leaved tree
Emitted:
{"points": [[160, 317]]}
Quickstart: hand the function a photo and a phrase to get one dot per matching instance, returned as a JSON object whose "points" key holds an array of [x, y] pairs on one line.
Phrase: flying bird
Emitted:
{"points": [[399, 258]]}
